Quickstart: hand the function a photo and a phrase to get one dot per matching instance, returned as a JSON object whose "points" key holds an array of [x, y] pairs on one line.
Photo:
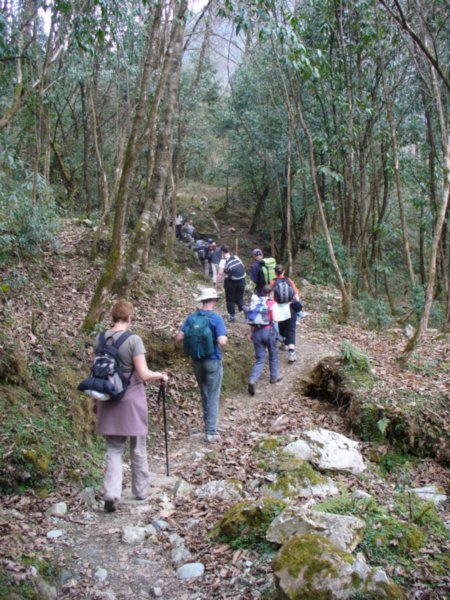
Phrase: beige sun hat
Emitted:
{"points": [[207, 294]]}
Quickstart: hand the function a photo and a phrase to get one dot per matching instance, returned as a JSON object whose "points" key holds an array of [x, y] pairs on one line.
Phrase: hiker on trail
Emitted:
{"points": [[287, 297], [232, 271], [203, 334], [214, 260], [262, 271], [263, 335], [119, 419], [178, 225], [203, 253], [256, 274], [188, 230]]}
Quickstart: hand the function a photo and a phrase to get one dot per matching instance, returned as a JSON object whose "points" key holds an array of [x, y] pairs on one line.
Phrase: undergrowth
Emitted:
{"points": [[395, 535]]}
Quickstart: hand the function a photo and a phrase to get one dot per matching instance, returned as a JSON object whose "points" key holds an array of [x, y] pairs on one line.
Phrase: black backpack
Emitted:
{"points": [[234, 269], [106, 381], [283, 291]]}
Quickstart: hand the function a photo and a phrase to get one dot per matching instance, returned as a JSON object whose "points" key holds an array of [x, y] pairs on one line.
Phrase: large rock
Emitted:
{"points": [[310, 566], [328, 450], [227, 490], [296, 478], [254, 515], [345, 532]]}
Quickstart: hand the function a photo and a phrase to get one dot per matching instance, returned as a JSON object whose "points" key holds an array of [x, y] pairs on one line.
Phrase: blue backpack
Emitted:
{"points": [[198, 337]]}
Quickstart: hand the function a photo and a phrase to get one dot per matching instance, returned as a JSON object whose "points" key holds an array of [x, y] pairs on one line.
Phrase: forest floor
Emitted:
{"points": [[90, 557]]}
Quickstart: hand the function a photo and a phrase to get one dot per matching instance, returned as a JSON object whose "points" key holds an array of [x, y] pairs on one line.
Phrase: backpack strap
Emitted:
{"points": [[101, 342], [117, 343], [123, 338]]}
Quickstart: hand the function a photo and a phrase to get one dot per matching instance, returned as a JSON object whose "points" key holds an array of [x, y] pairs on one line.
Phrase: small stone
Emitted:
{"points": [[430, 493], [361, 495], [160, 525], [88, 497], [190, 571], [45, 591], [182, 488], [156, 592], [58, 510], [104, 595], [380, 577], [151, 530], [100, 575], [133, 535], [55, 533], [64, 576], [180, 554]]}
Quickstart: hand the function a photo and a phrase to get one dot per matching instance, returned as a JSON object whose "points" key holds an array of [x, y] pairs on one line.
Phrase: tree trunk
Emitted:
{"points": [[423, 324], [393, 132], [113, 260], [136, 255]]}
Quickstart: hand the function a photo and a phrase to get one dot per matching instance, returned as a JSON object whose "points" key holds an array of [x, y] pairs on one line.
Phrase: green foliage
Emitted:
{"points": [[245, 524], [417, 295], [26, 228], [395, 535], [412, 423], [354, 358], [376, 311], [41, 434]]}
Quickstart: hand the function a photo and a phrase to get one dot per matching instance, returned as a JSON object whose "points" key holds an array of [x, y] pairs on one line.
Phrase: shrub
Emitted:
{"points": [[26, 228], [376, 311]]}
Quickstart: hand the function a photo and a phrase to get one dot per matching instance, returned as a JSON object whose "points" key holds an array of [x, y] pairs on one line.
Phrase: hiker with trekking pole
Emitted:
{"points": [[120, 419]]}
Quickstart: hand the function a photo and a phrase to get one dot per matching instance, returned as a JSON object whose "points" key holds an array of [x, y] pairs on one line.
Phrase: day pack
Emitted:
{"points": [[283, 291], [201, 252], [198, 336], [267, 266], [106, 381], [234, 269], [258, 313]]}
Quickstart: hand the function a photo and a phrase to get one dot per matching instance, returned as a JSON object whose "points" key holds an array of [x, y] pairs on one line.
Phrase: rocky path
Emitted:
{"points": [[101, 557]]}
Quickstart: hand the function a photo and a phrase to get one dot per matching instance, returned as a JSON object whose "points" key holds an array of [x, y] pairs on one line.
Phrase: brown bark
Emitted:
{"points": [[393, 132]]}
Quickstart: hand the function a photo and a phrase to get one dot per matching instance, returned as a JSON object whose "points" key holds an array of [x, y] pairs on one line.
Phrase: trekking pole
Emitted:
{"points": [[162, 395]]}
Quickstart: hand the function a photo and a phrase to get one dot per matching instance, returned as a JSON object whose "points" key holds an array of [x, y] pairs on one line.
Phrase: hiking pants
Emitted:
{"points": [[234, 294], [287, 328], [140, 478], [209, 375], [264, 339], [214, 271]]}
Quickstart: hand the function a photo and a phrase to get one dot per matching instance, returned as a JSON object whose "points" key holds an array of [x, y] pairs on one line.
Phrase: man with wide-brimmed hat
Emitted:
{"points": [[203, 334]]}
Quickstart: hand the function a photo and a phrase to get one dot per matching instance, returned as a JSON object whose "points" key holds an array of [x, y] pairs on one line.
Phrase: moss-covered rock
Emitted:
{"points": [[297, 478], [310, 566], [245, 524]]}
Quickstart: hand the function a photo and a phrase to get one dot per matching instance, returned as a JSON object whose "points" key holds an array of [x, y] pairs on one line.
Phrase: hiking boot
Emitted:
{"points": [[276, 380], [212, 438], [292, 356], [110, 506], [232, 319], [251, 388]]}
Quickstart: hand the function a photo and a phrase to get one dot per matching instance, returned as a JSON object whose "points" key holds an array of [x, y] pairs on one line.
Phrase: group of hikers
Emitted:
{"points": [[271, 313]]}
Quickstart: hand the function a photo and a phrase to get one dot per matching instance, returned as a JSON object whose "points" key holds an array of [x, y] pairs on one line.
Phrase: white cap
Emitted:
{"points": [[207, 294]]}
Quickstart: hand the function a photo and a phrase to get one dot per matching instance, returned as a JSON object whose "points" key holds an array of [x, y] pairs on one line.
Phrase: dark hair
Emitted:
{"points": [[267, 289], [279, 269], [225, 248], [121, 311]]}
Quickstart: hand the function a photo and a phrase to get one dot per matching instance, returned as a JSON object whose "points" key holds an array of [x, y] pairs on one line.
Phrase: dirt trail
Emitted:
{"points": [[144, 570]]}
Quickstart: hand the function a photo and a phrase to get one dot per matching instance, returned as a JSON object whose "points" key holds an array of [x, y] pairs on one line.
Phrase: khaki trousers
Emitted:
{"points": [[140, 477]]}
